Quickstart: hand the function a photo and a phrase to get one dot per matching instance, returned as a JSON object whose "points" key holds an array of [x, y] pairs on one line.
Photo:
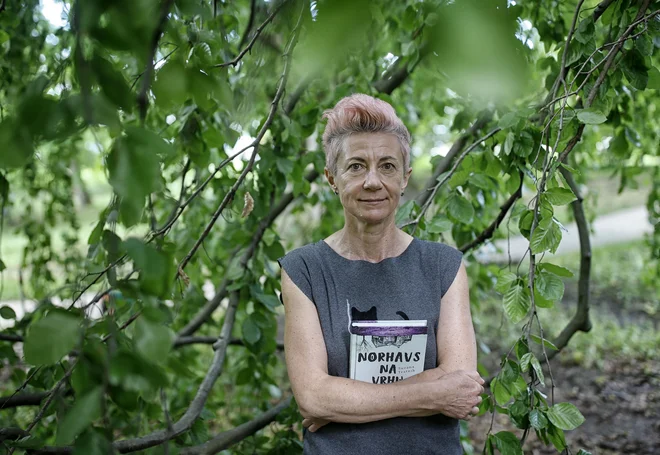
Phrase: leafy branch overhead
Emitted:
{"points": [[157, 157]]}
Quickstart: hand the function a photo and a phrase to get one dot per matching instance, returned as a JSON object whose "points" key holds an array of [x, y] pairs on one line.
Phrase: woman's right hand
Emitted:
{"points": [[457, 394]]}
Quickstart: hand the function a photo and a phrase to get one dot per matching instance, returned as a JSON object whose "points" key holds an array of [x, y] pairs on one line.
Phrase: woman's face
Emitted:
{"points": [[370, 176]]}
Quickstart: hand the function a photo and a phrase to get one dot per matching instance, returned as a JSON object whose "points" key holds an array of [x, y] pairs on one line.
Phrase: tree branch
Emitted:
{"points": [[490, 230], [437, 186], [206, 311], [188, 340], [248, 28], [248, 168], [24, 399], [143, 98], [10, 337], [580, 321], [601, 8], [455, 149], [12, 433], [247, 49], [228, 438]]}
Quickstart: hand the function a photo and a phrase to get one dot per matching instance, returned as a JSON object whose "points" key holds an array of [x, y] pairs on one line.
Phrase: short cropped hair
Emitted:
{"points": [[360, 113]]}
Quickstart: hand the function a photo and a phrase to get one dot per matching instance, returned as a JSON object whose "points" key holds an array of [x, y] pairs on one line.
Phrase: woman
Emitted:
{"points": [[381, 273]]}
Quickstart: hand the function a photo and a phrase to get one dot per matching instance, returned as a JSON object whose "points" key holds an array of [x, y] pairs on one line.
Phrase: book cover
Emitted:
{"points": [[383, 352]]}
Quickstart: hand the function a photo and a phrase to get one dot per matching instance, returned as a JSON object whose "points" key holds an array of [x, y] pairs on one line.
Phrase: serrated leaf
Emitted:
{"points": [[153, 340], [537, 419], [7, 312], [556, 436], [460, 209], [507, 443], [504, 280], [547, 343], [536, 365], [516, 303], [251, 331], [545, 239], [438, 224], [85, 410], [549, 285], [565, 416], [556, 269], [591, 116], [508, 120], [559, 196], [51, 338]]}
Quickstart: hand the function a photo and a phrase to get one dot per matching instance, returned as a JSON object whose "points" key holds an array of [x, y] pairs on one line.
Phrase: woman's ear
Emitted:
{"points": [[330, 178], [406, 177]]}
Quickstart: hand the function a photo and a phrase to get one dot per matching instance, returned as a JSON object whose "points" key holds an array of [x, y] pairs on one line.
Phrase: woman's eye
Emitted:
{"points": [[355, 167], [388, 166]]}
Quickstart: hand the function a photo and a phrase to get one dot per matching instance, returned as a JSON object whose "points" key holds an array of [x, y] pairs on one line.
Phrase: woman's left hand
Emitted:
{"points": [[314, 424]]}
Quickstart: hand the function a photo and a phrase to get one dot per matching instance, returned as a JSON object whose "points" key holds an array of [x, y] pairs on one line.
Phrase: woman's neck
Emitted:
{"points": [[369, 242]]}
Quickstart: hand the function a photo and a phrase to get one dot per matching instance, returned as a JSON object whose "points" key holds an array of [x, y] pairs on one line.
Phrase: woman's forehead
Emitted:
{"points": [[365, 144]]}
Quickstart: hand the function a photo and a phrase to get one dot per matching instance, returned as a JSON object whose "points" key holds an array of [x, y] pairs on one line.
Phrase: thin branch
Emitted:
{"points": [[580, 321], [601, 8], [248, 28], [248, 168], [11, 337], [188, 340], [247, 49], [451, 154], [142, 98], [205, 312], [23, 399], [228, 438], [12, 433], [457, 163], [490, 230]]}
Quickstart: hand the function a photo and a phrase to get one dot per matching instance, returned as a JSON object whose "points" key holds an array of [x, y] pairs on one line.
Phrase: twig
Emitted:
{"points": [[451, 154], [457, 163], [11, 337], [490, 230], [248, 168], [23, 399], [188, 340], [247, 49], [142, 98]]}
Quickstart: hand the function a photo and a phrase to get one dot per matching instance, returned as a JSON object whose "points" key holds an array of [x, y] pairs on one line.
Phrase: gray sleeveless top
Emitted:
{"points": [[408, 286]]}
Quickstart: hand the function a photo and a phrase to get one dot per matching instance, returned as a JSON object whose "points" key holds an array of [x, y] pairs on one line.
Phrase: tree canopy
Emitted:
{"points": [[198, 123]]}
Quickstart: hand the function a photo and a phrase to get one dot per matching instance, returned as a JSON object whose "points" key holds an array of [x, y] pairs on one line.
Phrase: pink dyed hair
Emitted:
{"points": [[360, 113]]}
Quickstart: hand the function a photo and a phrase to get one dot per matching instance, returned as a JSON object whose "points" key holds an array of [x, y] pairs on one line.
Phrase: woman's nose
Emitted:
{"points": [[372, 180]]}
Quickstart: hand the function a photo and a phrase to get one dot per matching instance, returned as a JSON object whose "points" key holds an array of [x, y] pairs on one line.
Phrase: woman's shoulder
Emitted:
{"points": [[438, 248], [306, 252]]}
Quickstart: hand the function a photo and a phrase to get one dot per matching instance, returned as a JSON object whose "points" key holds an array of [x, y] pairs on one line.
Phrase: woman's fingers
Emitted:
{"points": [[475, 411], [307, 423]]}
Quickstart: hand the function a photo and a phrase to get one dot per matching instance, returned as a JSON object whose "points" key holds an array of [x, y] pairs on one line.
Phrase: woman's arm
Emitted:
{"points": [[457, 346], [324, 397]]}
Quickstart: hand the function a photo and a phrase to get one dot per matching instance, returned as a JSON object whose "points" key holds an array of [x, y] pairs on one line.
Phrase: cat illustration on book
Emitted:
{"points": [[378, 341]]}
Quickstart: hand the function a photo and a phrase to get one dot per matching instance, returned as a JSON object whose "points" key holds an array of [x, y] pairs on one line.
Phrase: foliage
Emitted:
{"points": [[203, 116]]}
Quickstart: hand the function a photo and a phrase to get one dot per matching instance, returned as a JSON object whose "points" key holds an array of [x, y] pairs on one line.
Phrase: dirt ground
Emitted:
{"points": [[621, 404]]}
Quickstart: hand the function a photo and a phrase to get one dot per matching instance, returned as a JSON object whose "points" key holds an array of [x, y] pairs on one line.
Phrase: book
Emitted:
{"points": [[383, 352]]}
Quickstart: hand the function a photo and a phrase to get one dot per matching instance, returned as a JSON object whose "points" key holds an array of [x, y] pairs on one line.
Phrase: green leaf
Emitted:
{"points": [[17, 139], [438, 224], [545, 239], [7, 312], [549, 285], [536, 365], [516, 303], [51, 338], [508, 142], [504, 280], [546, 343], [559, 196], [460, 209], [153, 340], [92, 442], [654, 79], [405, 211], [507, 443], [171, 84], [112, 83], [537, 419], [251, 331], [85, 410], [591, 116], [500, 392], [556, 269], [156, 268], [635, 69], [565, 416], [4, 188], [508, 120], [556, 436]]}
